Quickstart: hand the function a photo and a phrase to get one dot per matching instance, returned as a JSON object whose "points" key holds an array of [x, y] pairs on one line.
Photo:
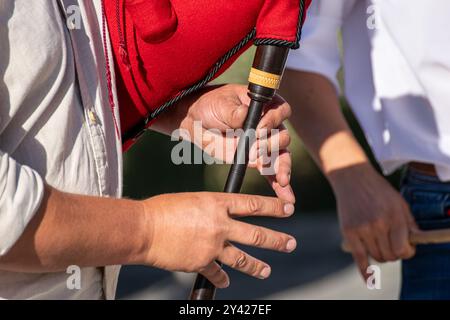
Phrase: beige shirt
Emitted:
{"points": [[56, 126]]}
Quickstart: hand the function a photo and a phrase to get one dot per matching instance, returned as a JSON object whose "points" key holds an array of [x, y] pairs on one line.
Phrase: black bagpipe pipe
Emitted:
{"points": [[264, 79]]}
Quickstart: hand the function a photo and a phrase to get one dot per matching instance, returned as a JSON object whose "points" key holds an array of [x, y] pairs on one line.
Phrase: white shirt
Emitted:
{"points": [[56, 125], [397, 75]]}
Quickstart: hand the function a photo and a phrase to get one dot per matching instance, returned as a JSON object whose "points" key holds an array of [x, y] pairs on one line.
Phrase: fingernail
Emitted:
{"points": [[289, 209], [265, 273], [289, 176], [227, 284], [291, 245]]}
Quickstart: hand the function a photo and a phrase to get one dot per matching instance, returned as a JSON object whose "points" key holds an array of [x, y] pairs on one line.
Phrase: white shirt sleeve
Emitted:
{"points": [[21, 192], [319, 48]]}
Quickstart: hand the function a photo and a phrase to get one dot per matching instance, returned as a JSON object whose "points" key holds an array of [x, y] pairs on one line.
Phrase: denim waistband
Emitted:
{"points": [[418, 179], [429, 199]]}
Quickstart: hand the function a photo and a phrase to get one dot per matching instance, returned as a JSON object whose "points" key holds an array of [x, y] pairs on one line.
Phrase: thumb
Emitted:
{"points": [[233, 116]]}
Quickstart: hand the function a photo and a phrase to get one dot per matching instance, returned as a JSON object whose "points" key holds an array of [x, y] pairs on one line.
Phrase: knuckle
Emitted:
{"points": [[258, 237], [377, 257], [286, 139], [240, 261], [288, 109], [271, 121], [403, 252], [397, 221], [219, 202], [278, 244], [391, 258], [410, 254], [359, 255], [222, 229], [215, 273], [254, 269], [380, 225], [203, 267], [253, 205], [276, 206], [217, 229], [205, 261]]}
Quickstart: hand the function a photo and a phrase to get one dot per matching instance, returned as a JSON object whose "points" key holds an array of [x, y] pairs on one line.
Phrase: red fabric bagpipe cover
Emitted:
{"points": [[167, 49]]}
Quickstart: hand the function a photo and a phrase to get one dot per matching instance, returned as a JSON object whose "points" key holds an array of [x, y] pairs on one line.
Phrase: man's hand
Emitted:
{"points": [[190, 231], [375, 219], [224, 108], [184, 232]]}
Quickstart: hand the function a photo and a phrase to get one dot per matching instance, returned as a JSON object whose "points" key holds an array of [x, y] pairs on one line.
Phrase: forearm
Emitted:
{"points": [[79, 230], [318, 119]]}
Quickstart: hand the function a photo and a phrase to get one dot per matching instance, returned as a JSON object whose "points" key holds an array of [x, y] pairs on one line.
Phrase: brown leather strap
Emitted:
{"points": [[424, 168]]}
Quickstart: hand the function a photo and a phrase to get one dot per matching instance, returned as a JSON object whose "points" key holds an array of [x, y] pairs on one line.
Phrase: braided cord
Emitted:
{"points": [[285, 43]]}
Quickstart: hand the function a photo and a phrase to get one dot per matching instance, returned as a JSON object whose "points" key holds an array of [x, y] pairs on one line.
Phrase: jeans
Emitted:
{"points": [[427, 274]]}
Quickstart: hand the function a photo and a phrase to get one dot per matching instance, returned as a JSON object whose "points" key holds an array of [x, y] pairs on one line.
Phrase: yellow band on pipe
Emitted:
{"points": [[265, 79]]}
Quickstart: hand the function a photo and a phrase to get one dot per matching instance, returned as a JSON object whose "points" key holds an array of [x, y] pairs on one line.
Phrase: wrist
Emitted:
{"points": [[142, 235], [339, 153], [351, 176]]}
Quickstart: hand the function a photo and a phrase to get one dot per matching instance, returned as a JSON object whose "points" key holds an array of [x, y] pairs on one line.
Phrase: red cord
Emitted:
{"points": [[108, 71]]}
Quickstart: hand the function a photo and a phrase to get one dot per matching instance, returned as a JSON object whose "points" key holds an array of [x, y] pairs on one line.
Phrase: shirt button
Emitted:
{"points": [[92, 117], [71, 24]]}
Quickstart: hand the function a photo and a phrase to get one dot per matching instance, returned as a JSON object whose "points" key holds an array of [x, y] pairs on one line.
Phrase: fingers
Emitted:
{"points": [[283, 193], [234, 118], [276, 112], [260, 237], [273, 154], [370, 242], [381, 230], [283, 164], [243, 262], [359, 253], [273, 140], [242, 205], [384, 244], [387, 243], [400, 234], [399, 239], [275, 160], [216, 275], [233, 107]]}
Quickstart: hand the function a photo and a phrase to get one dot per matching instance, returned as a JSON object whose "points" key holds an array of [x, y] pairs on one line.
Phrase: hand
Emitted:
{"points": [[375, 219], [225, 107], [190, 231]]}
